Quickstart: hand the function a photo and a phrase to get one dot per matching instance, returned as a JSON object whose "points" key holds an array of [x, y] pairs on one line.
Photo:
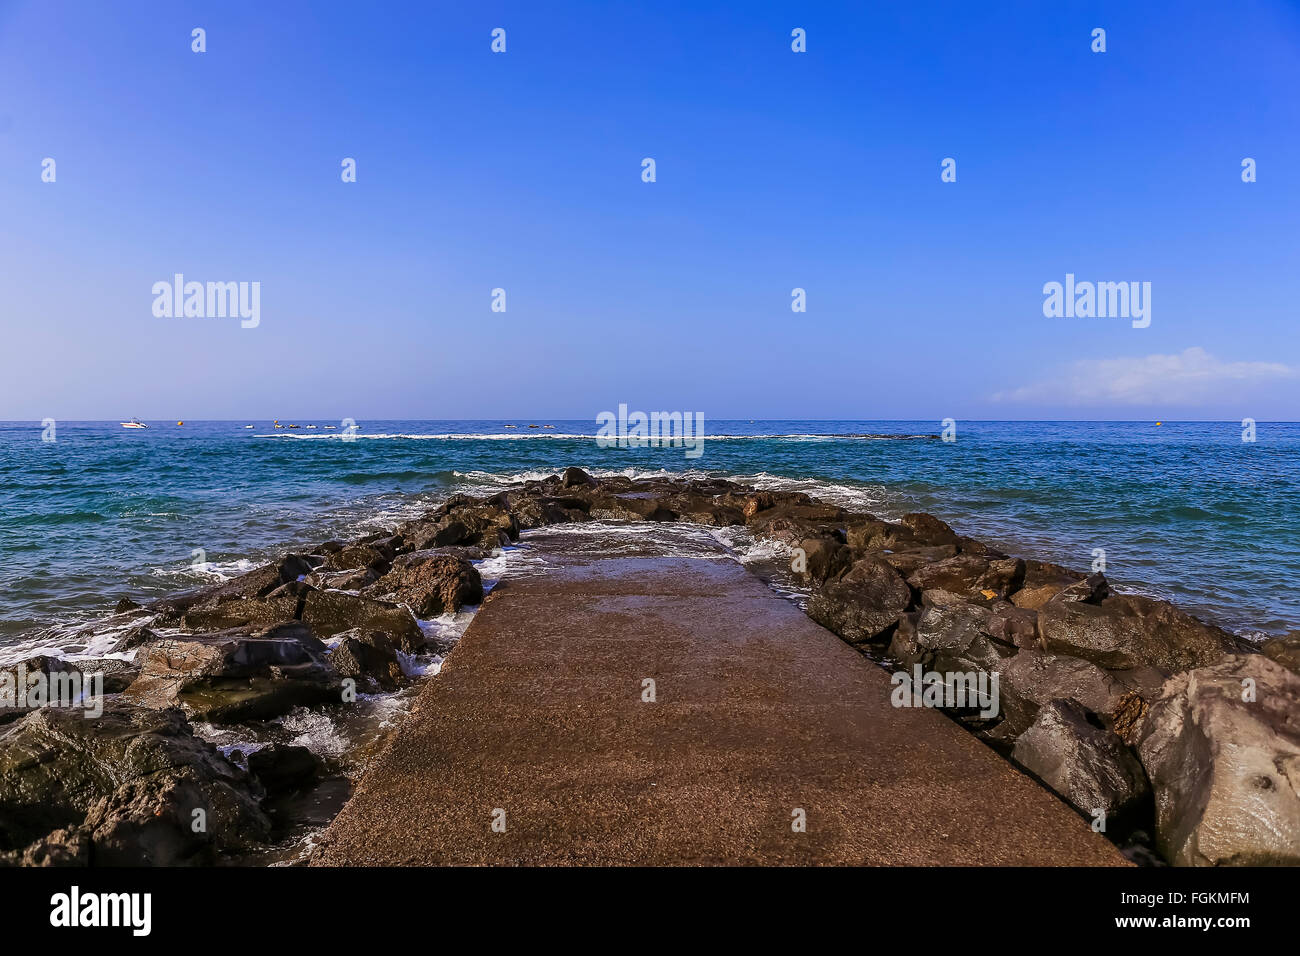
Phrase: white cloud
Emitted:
{"points": [[1191, 377]]}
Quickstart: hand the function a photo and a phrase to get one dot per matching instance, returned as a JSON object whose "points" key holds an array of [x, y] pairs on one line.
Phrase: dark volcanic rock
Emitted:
{"points": [[329, 612], [370, 656], [821, 558], [1032, 679], [864, 604], [577, 478], [1043, 582], [236, 676], [1130, 631], [1086, 764], [948, 635], [430, 583], [129, 782], [281, 768], [929, 529]]}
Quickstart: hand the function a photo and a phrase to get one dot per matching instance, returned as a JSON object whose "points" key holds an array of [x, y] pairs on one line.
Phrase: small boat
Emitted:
{"points": [[133, 423], [312, 426], [512, 426], [248, 426]]}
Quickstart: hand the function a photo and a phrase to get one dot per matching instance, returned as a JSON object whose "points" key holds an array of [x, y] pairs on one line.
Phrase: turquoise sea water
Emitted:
{"points": [[1185, 511]]}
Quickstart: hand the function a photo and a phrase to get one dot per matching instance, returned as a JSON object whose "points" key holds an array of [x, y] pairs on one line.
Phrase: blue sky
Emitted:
{"points": [[775, 170]]}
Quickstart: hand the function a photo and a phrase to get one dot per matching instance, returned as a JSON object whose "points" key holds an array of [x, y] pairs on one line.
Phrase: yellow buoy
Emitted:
{"points": [[1159, 423], [180, 423]]}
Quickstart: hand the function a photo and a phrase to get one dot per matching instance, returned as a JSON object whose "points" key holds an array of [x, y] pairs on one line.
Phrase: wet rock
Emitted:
{"points": [[330, 612], [1089, 766], [1284, 650], [576, 478], [126, 606], [344, 580], [1226, 770], [241, 612], [538, 511], [822, 558], [872, 535], [130, 780], [134, 637], [791, 523], [67, 846], [368, 656], [361, 556], [1127, 630], [864, 604], [236, 676], [430, 583], [913, 559], [282, 768]]}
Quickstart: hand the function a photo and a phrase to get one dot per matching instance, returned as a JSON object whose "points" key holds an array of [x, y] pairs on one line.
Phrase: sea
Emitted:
{"points": [[91, 512]]}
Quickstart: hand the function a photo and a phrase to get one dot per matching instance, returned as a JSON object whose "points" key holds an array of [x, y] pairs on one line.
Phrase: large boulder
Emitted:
{"points": [[929, 529], [1088, 765], [974, 577], [430, 583], [820, 558], [235, 676], [948, 634], [1130, 631], [368, 656], [1032, 679], [864, 604], [331, 612], [1221, 745], [1043, 581], [128, 784]]}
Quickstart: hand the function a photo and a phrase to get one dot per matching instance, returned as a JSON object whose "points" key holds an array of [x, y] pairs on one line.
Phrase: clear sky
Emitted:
{"points": [[775, 170]]}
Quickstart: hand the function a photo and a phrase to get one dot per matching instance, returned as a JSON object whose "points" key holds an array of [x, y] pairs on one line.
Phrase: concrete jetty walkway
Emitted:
{"points": [[760, 717]]}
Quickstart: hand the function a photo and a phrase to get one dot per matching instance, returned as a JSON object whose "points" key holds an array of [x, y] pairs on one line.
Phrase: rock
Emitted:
{"points": [[1284, 650], [430, 583], [236, 676], [871, 535], [822, 558], [791, 523], [1089, 766], [929, 529], [1129, 631], [951, 635], [281, 768], [369, 656], [536, 512], [354, 581], [1014, 625], [1043, 582], [134, 637], [864, 604], [126, 606], [67, 846], [975, 577], [130, 780], [115, 674], [329, 612], [1031, 679], [576, 478], [1226, 771], [913, 559], [360, 556], [241, 612]]}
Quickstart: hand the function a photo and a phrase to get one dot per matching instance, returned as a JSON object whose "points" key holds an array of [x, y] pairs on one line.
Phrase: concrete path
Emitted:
{"points": [[537, 721]]}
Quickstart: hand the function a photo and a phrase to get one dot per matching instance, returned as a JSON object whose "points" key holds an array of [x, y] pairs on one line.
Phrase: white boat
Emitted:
{"points": [[133, 423]]}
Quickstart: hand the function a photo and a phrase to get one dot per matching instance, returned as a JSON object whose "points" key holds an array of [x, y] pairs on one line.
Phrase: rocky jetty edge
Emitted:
{"points": [[1132, 711]]}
